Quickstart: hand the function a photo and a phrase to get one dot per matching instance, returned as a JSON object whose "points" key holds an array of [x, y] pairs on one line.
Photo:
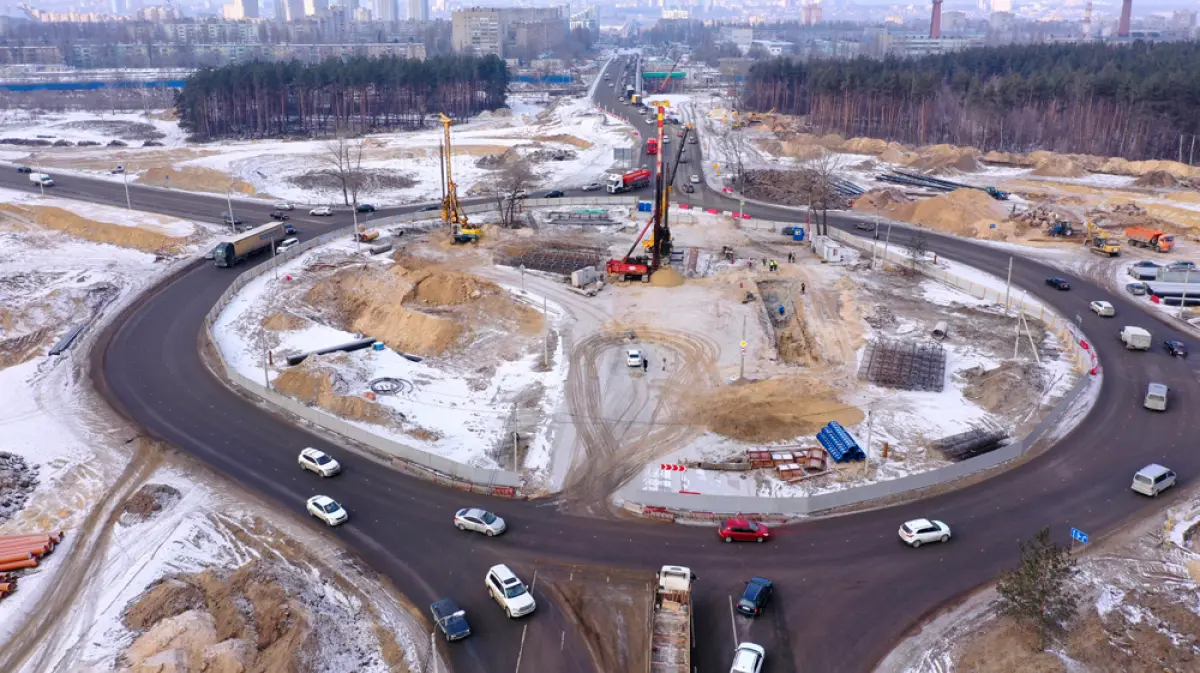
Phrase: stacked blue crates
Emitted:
{"points": [[840, 444]]}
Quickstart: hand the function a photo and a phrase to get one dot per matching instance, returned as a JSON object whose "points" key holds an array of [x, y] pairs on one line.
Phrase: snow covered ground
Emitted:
{"points": [[464, 420], [94, 126]]}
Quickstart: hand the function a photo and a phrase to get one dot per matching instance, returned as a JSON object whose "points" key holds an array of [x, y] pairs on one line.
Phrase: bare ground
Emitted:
{"points": [[609, 609]]}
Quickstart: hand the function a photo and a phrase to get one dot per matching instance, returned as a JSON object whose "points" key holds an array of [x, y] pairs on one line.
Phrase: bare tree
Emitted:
{"points": [[820, 171], [509, 185], [342, 158], [733, 145]]}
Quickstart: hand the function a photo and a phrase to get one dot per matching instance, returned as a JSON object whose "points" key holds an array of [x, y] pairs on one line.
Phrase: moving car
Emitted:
{"points": [[688, 188], [755, 596], [554, 194], [284, 205], [1058, 283], [692, 140], [450, 619], [1102, 309], [24, 169], [921, 531], [321, 211], [1176, 347], [1136, 289], [865, 226], [695, 179], [743, 530], [666, 140], [1156, 397], [633, 358], [748, 658], [289, 229], [1153, 479], [316, 460], [509, 591], [479, 520], [279, 215], [592, 186], [327, 509], [285, 244], [235, 220], [365, 208]]}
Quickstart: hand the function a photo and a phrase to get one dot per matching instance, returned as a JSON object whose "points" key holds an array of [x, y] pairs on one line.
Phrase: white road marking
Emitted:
{"points": [[521, 650]]}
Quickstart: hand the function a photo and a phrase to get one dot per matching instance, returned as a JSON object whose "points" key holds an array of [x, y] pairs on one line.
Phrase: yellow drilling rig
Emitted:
{"points": [[452, 213]]}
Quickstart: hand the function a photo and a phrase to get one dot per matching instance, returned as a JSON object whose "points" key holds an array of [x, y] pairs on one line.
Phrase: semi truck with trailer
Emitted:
{"points": [[617, 184], [672, 626], [236, 249]]}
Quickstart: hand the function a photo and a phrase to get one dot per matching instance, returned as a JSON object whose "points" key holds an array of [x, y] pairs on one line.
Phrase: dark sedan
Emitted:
{"points": [[554, 194], [279, 215], [426, 209], [450, 619], [754, 598], [235, 221], [366, 208], [24, 169], [1058, 283], [1176, 347]]}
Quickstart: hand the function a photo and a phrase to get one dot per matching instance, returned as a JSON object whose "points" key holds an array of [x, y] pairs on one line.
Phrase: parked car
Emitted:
{"points": [[688, 188], [755, 596], [327, 509], [748, 658], [117, 170], [554, 194], [1136, 289], [235, 220], [316, 460], [1058, 283], [509, 591], [279, 215], [633, 358], [592, 186], [365, 208], [743, 530], [479, 520], [285, 244], [24, 169], [1102, 309], [284, 205], [1181, 266], [1153, 479], [695, 179], [321, 211], [289, 229], [1176, 347], [921, 531], [450, 619]]}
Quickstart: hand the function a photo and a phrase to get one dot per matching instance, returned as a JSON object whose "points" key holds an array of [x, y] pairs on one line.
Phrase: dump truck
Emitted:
{"points": [[617, 184], [233, 250], [652, 146], [1145, 237], [672, 627]]}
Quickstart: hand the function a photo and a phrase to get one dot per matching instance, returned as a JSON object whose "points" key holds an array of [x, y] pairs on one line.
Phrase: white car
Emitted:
{"points": [[592, 186], [695, 179], [479, 520], [315, 460], [748, 658], [323, 211], [1103, 309], [284, 205], [509, 591], [327, 509], [285, 244], [920, 531], [633, 358], [666, 140]]}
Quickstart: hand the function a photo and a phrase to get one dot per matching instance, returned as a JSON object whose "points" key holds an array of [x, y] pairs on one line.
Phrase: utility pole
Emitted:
{"points": [[867, 452], [1187, 276], [125, 179], [546, 338], [742, 371], [1008, 285], [354, 215], [887, 241], [229, 202], [516, 436]]}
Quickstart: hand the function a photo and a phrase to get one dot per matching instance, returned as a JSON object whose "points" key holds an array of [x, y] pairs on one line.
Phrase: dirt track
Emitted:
{"points": [[620, 434]]}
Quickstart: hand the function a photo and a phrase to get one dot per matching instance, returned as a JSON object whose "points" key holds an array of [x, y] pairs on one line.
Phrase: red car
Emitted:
{"points": [[743, 530]]}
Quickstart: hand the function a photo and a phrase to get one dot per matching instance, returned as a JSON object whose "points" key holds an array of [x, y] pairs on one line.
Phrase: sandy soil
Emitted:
{"points": [[608, 608]]}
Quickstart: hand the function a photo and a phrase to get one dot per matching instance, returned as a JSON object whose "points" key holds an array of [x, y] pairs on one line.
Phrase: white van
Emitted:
{"points": [[1156, 397], [1135, 338], [1153, 479]]}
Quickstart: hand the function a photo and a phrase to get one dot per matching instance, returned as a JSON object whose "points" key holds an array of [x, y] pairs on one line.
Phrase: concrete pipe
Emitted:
{"points": [[940, 330]]}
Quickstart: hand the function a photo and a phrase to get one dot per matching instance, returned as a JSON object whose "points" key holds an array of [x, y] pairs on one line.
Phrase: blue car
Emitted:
{"points": [[289, 229], [450, 619], [754, 598]]}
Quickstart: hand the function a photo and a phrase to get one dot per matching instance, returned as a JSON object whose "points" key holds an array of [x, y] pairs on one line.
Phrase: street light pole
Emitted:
{"points": [[229, 202], [357, 237], [125, 180], [886, 242]]}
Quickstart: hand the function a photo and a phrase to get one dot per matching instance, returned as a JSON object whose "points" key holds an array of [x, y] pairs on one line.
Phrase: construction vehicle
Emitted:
{"points": [[672, 625], [1099, 242], [452, 212], [1145, 237], [233, 250], [617, 184], [652, 146], [759, 117], [366, 235], [629, 91], [667, 80], [1061, 229]]}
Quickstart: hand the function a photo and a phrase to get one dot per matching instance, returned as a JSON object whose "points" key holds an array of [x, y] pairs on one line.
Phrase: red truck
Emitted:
{"points": [[652, 146], [617, 184]]}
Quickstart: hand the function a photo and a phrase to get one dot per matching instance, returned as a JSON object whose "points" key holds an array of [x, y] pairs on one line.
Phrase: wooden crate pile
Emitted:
{"points": [[791, 464]]}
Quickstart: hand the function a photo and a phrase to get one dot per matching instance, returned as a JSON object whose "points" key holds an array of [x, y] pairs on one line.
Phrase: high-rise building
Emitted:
{"points": [[418, 10], [1002, 6], [387, 10], [119, 7], [503, 31], [241, 9], [316, 7]]}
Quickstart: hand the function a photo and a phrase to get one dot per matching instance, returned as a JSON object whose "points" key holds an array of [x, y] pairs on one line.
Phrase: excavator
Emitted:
{"points": [[452, 212], [1098, 241]]}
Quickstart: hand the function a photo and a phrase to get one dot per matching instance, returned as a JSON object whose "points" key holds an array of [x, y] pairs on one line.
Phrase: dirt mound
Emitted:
{"points": [[148, 501], [802, 151], [1006, 389], [283, 321], [868, 146], [960, 212], [773, 410], [313, 382], [1009, 158], [1119, 166], [666, 277], [895, 155], [18, 479], [565, 138], [195, 178], [447, 288], [943, 157], [67, 222], [881, 200], [1157, 179], [1058, 166], [163, 600], [174, 642]]}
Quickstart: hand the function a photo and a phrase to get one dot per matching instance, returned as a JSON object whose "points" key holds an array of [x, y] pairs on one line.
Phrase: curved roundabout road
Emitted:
{"points": [[847, 589]]}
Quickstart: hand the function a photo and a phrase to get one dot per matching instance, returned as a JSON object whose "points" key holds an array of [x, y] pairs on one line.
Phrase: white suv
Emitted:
{"points": [[748, 658], [919, 531], [327, 509], [509, 591], [320, 462]]}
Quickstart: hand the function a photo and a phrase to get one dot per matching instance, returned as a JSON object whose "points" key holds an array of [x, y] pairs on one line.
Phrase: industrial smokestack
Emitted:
{"points": [[1087, 19], [935, 21], [1126, 10]]}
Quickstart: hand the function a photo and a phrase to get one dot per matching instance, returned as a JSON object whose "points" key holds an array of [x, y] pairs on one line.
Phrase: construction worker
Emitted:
{"points": [[801, 288], [645, 365]]}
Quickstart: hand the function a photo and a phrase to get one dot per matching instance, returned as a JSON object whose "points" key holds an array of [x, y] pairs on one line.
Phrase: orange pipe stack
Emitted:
{"points": [[23, 551]]}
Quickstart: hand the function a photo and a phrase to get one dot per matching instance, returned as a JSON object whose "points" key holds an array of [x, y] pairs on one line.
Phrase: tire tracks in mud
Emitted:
{"points": [[616, 447]]}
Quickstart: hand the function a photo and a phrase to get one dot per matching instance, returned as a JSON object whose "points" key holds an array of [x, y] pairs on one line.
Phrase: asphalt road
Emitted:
{"points": [[846, 588]]}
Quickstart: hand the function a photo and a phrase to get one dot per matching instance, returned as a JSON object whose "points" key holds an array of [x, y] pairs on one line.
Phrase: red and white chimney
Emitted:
{"points": [[1126, 10], [935, 21]]}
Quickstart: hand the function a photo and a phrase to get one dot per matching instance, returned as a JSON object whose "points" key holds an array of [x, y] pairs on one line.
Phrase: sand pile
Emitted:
{"points": [[1119, 166], [963, 212], [284, 321], [1009, 158], [883, 200], [445, 288], [802, 151], [1059, 166], [773, 410], [896, 155], [946, 157], [197, 178], [315, 383], [58, 219], [1007, 389], [1157, 179], [868, 146], [565, 138], [666, 277]]}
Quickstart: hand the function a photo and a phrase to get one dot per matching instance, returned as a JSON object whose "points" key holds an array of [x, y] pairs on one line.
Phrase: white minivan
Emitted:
{"points": [[1156, 397], [1153, 479]]}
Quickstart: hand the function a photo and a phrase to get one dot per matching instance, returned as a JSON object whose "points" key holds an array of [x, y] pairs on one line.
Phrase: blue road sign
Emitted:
{"points": [[1079, 535]]}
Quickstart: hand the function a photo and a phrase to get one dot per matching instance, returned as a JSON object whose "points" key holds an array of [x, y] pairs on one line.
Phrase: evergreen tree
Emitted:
{"points": [[1039, 590]]}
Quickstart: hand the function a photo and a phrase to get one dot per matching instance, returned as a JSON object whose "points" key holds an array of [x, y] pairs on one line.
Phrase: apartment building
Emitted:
{"points": [[504, 31]]}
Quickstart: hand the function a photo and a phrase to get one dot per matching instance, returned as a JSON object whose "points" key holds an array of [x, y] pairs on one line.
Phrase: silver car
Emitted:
{"points": [[479, 520]]}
